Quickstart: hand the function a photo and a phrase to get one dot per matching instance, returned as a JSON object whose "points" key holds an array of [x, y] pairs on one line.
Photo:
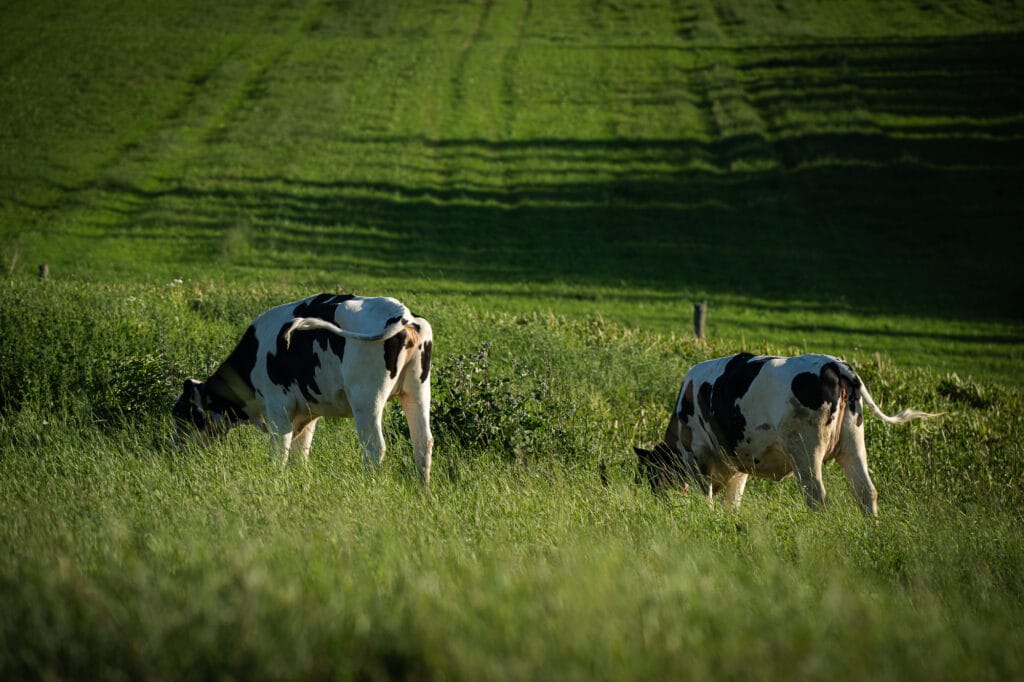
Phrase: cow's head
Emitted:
{"points": [[195, 420], [665, 469]]}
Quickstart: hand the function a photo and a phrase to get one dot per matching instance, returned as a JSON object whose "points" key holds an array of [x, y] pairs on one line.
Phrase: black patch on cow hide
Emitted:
{"points": [[704, 402], [230, 387], [392, 348], [428, 349], [828, 386], [221, 400], [321, 306], [686, 404], [681, 421], [297, 363], [727, 420], [243, 358], [806, 387], [831, 388]]}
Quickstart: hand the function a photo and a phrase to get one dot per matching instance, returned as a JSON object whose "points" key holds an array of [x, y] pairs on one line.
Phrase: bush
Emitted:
{"points": [[479, 408], [104, 352]]}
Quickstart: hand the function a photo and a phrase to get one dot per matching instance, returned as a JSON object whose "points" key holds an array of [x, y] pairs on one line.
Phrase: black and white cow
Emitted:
{"points": [[767, 416], [327, 355]]}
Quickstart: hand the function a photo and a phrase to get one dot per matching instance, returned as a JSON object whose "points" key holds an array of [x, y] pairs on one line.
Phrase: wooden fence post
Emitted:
{"points": [[700, 318]]}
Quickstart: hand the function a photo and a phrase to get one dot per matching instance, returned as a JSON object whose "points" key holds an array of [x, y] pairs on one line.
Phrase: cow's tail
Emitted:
{"points": [[310, 323], [903, 417]]}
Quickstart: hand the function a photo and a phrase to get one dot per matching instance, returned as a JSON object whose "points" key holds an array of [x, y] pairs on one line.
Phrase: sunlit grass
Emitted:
{"points": [[558, 183], [132, 557], [151, 561]]}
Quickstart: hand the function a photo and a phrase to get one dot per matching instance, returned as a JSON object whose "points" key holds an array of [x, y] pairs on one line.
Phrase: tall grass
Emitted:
{"points": [[131, 558], [148, 564], [552, 185]]}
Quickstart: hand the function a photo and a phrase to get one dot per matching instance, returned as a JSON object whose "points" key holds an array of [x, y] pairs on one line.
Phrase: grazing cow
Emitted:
{"points": [[327, 355], [771, 417]]}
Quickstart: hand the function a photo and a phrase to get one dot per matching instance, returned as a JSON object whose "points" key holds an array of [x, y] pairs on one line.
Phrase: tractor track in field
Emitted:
{"points": [[739, 132], [129, 182], [464, 88], [458, 78], [455, 98], [508, 100]]}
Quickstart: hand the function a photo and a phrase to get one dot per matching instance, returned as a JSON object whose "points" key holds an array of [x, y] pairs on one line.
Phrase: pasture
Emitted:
{"points": [[552, 185]]}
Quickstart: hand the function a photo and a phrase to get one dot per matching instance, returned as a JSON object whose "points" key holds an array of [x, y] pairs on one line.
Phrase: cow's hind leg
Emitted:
{"points": [[807, 453], [853, 458], [416, 405], [368, 427]]}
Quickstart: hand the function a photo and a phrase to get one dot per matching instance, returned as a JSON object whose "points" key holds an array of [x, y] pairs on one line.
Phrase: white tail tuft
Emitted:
{"points": [[901, 418]]}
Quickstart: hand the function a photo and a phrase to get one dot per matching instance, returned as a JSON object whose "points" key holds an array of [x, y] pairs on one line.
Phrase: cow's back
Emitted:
{"points": [[316, 368], [369, 316], [742, 406]]}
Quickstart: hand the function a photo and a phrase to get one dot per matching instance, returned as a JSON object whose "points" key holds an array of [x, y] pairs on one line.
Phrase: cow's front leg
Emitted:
{"points": [[279, 427], [303, 440], [280, 445], [734, 490], [371, 437]]}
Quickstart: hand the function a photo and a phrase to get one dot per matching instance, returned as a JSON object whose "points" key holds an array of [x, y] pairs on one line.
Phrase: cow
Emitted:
{"points": [[326, 355], [767, 416]]}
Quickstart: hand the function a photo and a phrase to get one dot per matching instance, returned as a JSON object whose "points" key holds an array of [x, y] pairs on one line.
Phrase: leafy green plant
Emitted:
{"points": [[478, 407]]}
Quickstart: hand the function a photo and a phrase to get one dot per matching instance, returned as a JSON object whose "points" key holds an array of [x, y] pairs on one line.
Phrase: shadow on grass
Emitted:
{"points": [[911, 206]]}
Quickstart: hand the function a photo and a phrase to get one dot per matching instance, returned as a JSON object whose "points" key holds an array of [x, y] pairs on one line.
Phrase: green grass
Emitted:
{"points": [[131, 563], [133, 558], [561, 181], [156, 565], [842, 180]]}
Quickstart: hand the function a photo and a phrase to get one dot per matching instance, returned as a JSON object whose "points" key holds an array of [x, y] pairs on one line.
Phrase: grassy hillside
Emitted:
{"points": [[552, 185], [831, 179]]}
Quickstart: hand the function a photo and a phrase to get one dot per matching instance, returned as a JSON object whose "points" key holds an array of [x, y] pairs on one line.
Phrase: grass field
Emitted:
{"points": [[553, 185]]}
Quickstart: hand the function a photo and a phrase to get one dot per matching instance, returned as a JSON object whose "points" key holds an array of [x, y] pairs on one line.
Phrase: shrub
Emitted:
{"points": [[103, 352], [479, 408]]}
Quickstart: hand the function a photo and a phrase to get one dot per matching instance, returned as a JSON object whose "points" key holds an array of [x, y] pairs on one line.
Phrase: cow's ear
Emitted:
{"points": [[191, 389]]}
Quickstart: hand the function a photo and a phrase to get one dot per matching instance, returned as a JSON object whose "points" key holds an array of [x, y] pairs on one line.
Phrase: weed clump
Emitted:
{"points": [[478, 408], [99, 352]]}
